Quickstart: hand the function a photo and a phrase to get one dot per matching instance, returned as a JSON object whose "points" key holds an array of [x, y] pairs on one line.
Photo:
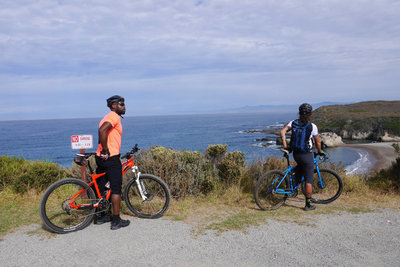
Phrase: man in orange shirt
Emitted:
{"points": [[108, 158]]}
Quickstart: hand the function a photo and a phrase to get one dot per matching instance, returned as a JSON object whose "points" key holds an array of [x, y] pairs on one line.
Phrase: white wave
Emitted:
{"points": [[276, 125], [265, 144], [361, 165], [258, 144]]}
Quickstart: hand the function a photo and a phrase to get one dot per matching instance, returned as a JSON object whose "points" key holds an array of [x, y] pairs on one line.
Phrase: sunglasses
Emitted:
{"points": [[122, 104]]}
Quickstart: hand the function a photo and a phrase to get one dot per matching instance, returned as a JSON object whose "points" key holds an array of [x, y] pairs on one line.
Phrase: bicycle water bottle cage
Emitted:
{"points": [[81, 161]]}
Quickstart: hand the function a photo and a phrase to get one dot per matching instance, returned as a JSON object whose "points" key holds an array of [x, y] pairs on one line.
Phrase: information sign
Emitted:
{"points": [[82, 141]]}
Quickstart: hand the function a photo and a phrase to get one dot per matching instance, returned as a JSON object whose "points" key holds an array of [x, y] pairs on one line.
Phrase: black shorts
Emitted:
{"points": [[113, 169], [305, 165]]}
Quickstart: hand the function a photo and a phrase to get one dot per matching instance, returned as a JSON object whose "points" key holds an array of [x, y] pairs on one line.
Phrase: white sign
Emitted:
{"points": [[82, 141]]}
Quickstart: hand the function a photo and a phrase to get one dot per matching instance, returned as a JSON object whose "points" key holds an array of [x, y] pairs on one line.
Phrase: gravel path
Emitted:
{"points": [[369, 239]]}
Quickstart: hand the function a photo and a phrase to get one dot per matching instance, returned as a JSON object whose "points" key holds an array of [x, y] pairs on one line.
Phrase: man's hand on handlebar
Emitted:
{"points": [[104, 154]]}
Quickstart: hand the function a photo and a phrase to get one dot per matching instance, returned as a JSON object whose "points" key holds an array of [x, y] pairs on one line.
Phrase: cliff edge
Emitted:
{"points": [[372, 120]]}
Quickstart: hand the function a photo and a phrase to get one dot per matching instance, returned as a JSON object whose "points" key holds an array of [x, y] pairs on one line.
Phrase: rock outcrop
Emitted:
{"points": [[390, 138], [331, 139]]}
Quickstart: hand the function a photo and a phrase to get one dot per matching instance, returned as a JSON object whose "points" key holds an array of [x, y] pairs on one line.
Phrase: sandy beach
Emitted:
{"points": [[384, 153]]}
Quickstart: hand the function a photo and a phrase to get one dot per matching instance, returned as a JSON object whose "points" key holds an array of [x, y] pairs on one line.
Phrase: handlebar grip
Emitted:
{"points": [[285, 151], [125, 156], [130, 153]]}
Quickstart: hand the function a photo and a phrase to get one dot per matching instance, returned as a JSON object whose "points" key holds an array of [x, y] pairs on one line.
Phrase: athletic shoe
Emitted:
{"points": [[119, 224], [102, 219], [308, 208]]}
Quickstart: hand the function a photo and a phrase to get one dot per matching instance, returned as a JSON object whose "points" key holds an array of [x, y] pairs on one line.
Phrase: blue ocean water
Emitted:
{"points": [[50, 140]]}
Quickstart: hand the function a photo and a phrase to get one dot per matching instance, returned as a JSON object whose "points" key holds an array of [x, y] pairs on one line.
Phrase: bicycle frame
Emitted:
{"points": [[126, 165], [289, 172]]}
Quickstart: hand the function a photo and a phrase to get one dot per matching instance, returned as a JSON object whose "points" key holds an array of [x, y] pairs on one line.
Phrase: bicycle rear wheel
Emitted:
{"points": [[56, 212], [265, 190], [328, 188], [157, 197]]}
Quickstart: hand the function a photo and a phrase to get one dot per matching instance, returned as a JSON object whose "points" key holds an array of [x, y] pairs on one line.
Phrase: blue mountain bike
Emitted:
{"points": [[274, 187]]}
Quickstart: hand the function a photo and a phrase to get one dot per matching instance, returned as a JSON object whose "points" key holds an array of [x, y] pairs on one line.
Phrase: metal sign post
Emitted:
{"points": [[82, 142]]}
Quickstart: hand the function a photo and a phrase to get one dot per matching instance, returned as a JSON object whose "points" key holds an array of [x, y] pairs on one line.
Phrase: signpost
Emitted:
{"points": [[82, 142]]}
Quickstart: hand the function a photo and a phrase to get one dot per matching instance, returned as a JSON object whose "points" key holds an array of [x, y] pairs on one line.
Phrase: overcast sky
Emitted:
{"points": [[61, 59]]}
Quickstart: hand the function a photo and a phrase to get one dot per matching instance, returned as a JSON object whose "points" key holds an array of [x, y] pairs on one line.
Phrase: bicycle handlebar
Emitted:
{"points": [[129, 154], [322, 157]]}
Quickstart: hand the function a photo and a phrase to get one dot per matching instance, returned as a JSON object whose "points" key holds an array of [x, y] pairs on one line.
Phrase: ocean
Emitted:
{"points": [[50, 140]]}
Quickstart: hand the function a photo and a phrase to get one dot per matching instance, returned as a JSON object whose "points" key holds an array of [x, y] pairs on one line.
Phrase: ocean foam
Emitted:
{"points": [[362, 165]]}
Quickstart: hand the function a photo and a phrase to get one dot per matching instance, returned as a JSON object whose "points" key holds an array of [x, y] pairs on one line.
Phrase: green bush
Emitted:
{"points": [[21, 175], [230, 167], [387, 180], [183, 171], [190, 172]]}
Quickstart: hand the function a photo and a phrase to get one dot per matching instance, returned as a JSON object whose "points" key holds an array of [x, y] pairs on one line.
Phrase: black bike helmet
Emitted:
{"points": [[305, 109], [113, 99]]}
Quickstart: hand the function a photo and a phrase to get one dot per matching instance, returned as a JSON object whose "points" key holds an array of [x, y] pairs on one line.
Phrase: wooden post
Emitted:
{"points": [[83, 168]]}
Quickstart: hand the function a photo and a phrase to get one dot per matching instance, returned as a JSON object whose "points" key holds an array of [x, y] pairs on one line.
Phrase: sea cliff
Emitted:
{"points": [[373, 120]]}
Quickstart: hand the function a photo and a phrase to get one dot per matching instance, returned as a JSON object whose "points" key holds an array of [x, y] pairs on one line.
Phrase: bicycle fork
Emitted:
{"points": [[139, 183]]}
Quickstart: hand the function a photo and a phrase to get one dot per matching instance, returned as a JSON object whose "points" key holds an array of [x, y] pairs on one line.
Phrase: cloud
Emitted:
{"points": [[240, 52]]}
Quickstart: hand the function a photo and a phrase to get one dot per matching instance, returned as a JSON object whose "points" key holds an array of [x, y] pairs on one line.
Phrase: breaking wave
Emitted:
{"points": [[362, 165]]}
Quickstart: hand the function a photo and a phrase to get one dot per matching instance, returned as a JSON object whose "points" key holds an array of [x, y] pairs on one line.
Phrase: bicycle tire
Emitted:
{"points": [[333, 186], [264, 191], [54, 209], [158, 194]]}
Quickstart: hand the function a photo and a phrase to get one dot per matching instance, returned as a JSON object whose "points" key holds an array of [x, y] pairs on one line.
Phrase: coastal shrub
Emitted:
{"points": [[190, 172], [230, 167], [396, 148], [387, 180], [354, 183], [185, 172], [21, 175], [215, 153]]}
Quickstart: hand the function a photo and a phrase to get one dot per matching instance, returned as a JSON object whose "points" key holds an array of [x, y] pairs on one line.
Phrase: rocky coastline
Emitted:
{"points": [[382, 151]]}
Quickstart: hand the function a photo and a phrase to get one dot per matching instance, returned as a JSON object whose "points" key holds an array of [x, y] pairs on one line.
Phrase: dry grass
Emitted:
{"points": [[235, 210], [18, 210], [219, 212]]}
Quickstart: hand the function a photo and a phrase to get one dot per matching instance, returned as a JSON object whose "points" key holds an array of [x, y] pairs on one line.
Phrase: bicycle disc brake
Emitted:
{"points": [[66, 206]]}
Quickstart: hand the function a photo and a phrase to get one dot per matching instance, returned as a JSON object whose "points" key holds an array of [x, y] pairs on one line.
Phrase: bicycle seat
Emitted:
{"points": [[82, 158], [85, 155], [286, 151]]}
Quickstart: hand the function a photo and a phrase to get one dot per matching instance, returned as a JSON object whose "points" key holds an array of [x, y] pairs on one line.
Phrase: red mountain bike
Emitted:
{"points": [[70, 204]]}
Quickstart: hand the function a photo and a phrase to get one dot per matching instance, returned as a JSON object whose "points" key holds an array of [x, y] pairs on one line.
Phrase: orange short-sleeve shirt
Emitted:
{"points": [[114, 135]]}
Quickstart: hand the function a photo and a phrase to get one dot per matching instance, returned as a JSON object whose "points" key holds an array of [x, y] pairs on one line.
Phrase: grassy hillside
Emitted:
{"points": [[368, 120]]}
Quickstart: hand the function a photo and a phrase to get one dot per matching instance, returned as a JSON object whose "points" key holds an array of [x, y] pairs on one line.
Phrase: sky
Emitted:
{"points": [[63, 59]]}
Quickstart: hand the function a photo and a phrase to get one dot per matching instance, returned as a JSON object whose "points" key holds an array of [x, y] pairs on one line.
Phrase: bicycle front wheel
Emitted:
{"points": [[56, 211], [265, 191], [154, 200], [328, 188]]}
